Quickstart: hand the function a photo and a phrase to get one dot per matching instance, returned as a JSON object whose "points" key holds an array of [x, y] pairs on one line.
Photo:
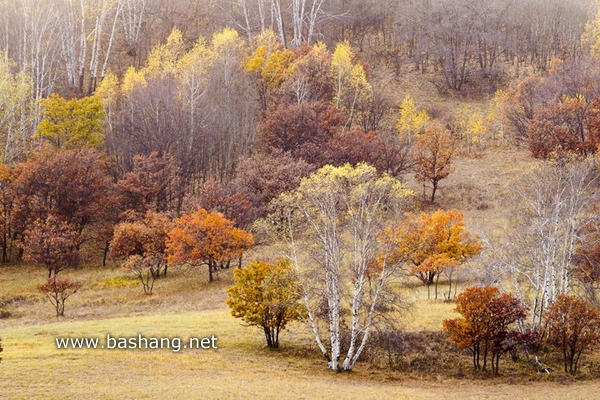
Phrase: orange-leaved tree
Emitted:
{"points": [[433, 243], [142, 246], [206, 238], [486, 315]]}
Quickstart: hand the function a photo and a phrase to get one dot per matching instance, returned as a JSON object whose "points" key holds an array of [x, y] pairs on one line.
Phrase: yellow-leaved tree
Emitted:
{"points": [[350, 81], [164, 57], [266, 295], [331, 224], [473, 128], [590, 39], [75, 123], [132, 79], [411, 121], [270, 64], [18, 111], [196, 104]]}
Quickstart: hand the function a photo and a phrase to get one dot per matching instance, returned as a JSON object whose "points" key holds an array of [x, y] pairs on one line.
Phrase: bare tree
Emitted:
{"points": [[133, 18], [553, 208]]}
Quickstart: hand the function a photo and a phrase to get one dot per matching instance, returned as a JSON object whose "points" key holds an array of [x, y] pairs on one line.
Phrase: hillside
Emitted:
{"points": [[406, 192]]}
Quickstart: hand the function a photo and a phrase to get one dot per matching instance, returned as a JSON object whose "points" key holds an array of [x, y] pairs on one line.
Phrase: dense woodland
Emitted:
{"points": [[155, 134]]}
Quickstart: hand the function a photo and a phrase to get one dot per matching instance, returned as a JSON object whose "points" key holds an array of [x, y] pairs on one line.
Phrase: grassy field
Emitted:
{"points": [[242, 367], [185, 305]]}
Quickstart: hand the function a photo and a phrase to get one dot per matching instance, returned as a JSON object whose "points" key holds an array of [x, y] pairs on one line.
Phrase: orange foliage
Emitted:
{"points": [[432, 243], [206, 238]]}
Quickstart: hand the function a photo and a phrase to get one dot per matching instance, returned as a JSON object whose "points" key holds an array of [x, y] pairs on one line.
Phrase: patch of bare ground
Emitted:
{"points": [[480, 186]]}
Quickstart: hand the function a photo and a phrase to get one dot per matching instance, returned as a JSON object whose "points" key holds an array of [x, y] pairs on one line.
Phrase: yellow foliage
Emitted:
{"points": [[495, 116], [472, 126], [556, 65], [273, 67], [131, 79], [590, 39], [108, 90], [227, 43], [256, 62], [268, 39], [164, 57], [267, 296], [411, 121], [72, 123], [482, 128], [194, 67], [350, 80]]}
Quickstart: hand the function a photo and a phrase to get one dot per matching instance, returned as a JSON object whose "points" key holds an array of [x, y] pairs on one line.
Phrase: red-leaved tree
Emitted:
{"points": [[573, 326], [53, 243], [58, 290], [486, 315]]}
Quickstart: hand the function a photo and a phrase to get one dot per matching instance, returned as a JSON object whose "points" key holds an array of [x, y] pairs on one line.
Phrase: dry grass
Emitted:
{"points": [[185, 304], [241, 368]]}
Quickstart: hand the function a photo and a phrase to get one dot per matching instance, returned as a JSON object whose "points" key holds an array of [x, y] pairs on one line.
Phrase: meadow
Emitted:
{"points": [[184, 306]]}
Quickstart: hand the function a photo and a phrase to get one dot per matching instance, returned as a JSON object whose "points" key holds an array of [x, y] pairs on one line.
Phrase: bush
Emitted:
{"points": [[4, 313], [58, 290]]}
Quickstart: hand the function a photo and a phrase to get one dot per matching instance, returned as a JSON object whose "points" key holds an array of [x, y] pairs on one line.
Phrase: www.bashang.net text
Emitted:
{"points": [[136, 342]]}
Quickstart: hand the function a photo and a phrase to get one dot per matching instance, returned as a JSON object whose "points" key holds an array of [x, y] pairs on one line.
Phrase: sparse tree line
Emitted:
{"points": [[193, 150], [70, 46]]}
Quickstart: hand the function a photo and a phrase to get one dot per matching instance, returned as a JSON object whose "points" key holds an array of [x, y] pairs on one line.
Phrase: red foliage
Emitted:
{"points": [[154, 184], [263, 177], [53, 243], [355, 146], [561, 126], [220, 197], [573, 326], [302, 129], [58, 290], [73, 185], [486, 316]]}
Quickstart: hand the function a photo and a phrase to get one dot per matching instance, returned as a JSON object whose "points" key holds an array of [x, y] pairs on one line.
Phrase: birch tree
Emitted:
{"points": [[553, 210], [17, 117], [132, 18], [350, 81], [87, 39], [331, 224]]}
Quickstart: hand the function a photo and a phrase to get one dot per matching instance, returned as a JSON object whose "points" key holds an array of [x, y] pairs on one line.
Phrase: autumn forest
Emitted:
{"points": [[404, 189]]}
